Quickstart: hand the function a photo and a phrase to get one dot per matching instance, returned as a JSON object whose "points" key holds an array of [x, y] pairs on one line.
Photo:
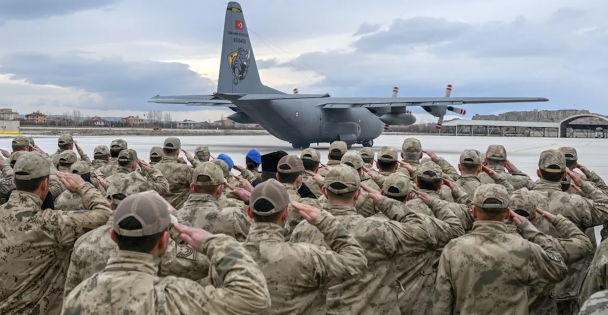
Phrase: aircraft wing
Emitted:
{"points": [[343, 102]]}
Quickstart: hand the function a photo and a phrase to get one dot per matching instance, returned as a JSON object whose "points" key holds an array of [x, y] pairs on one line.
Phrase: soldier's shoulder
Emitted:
{"points": [[597, 304]]}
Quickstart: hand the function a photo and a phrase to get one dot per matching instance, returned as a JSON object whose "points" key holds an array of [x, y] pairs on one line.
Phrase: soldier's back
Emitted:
{"points": [[179, 177], [68, 201]]}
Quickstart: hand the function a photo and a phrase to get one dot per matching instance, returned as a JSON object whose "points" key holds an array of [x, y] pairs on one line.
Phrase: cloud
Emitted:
{"points": [[367, 28], [39, 9], [267, 63], [120, 84]]}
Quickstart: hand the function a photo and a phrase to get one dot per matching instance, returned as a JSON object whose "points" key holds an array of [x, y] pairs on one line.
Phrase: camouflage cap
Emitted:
{"points": [[367, 153], [491, 191], [341, 179], [470, 157], [522, 199], [173, 143], [156, 151], [14, 156], [552, 161], [119, 144], [32, 165], [21, 141], [273, 192], [429, 170], [397, 185], [352, 159], [388, 154], [496, 152], [101, 150], [290, 164], [68, 157], [569, 152], [223, 166], [202, 151], [127, 155], [311, 154], [208, 174], [81, 168], [32, 142], [411, 145], [339, 146], [65, 138], [150, 209]]}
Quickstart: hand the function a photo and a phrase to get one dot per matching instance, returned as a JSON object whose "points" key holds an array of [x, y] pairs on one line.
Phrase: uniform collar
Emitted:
{"points": [[497, 168], [432, 193], [470, 177], [341, 210], [24, 197], [489, 227], [267, 232], [133, 261], [291, 187], [124, 170], [386, 173], [202, 198], [333, 162], [543, 184], [99, 162], [168, 159]]}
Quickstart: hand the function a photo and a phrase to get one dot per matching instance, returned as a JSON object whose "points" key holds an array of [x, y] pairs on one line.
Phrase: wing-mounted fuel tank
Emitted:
{"points": [[241, 118]]}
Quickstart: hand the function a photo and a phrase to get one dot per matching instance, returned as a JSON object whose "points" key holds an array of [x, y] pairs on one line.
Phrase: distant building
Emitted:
{"points": [[8, 114], [189, 124], [226, 123], [98, 121], [35, 117], [61, 121], [133, 121]]}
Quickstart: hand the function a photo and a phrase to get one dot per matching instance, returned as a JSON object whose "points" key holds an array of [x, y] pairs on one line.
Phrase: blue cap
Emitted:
{"points": [[226, 159], [255, 156]]}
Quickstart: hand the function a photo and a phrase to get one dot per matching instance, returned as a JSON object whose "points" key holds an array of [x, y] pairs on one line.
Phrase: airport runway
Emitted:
{"points": [[523, 152]]}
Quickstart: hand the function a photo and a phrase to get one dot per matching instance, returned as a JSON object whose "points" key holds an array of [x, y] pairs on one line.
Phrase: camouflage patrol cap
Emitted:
{"points": [[273, 192], [290, 164], [101, 150], [32, 165], [68, 157], [208, 174], [470, 157], [388, 154], [32, 142], [80, 168], [156, 151], [429, 170], [223, 166], [202, 151], [523, 200], [342, 179], [552, 161], [570, 153], [352, 159], [411, 145], [397, 185], [21, 141], [367, 153], [496, 152], [173, 143], [14, 156], [491, 191], [311, 154], [65, 138], [338, 146], [119, 144], [150, 209], [127, 155]]}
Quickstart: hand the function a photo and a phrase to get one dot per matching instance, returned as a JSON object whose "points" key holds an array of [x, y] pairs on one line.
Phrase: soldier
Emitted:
{"points": [[411, 152], [35, 256], [140, 228], [177, 174], [496, 160], [21, 143], [572, 164], [126, 173], [71, 200], [310, 266], [156, 154], [253, 160], [101, 156], [387, 164], [368, 155], [337, 149], [470, 167], [202, 209], [428, 179], [596, 278], [597, 304], [116, 147], [485, 260], [311, 159], [375, 290], [67, 143], [65, 161], [229, 198]]}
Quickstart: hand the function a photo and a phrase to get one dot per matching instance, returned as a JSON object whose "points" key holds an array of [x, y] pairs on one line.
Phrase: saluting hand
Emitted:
{"points": [[493, 175], [584, 169], [188, 155], [246, 184], [578, 190], [102, 182], [518, 219], [511, 168], [79, 149], [576, 178], [426, 198], [239, 168], [407, 166], [432, 155], [374, 194], [70, 181], [241, 192], [373, 174], [549, 216], [318, 178], [5, 153], [143, 164], [309, 213], [194, 237], [450, 184]]}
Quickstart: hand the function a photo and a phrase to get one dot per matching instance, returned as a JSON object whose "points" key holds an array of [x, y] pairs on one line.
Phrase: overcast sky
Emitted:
{"points": [[108, 57]]}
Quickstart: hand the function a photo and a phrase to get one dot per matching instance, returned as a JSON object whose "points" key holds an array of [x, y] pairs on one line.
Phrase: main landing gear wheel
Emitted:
{"points": [[349, 145], [368, 144], [300, 145]]}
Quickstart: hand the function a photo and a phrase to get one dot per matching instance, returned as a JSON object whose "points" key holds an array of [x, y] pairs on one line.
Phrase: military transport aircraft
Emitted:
{"points": [[302, 119]]}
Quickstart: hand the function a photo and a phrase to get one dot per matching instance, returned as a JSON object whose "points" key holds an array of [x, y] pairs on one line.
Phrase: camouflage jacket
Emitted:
{"points": [[109, 169], [6, 182], [179, 177], [375, 290], [449, 172], [381, 177], [597, 304], [596, 278], [250, 175], [35, 249], [517, 180], [364, 205], [312, 185], [294, 217], [469, 183], [297, 273], [142, 291], [233, 182], [323, 171], [68, 201], [203, 211], [130, 181], [486, 271], [97, 164], [92, 251], [226, 202], [55, 158]]}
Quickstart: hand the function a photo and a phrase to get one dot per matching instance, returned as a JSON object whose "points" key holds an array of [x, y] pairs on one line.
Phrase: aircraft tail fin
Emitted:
{"points": [[238, 69]]}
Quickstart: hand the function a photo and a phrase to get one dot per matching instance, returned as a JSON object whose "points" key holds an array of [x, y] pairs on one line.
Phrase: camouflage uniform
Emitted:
{"points": [[387, 154], [411, 149], [112, 165], [36, 244], [127, 179], [67, 139], [242, 288], [487, 270], [311, 154], [368, 154], [230, 179], [202, 210], [6, 178], [178, 175], [597, 304], [499, 153], [469, 182], [155, 152], [375, 291], [70, 200], [201, 155], [67, 158], [338, 147], [596, 278], [100, 155], [297, 273]]}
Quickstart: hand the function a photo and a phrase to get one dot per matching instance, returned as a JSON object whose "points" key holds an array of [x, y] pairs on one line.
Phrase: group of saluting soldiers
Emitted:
{"points": [[387, 233]]}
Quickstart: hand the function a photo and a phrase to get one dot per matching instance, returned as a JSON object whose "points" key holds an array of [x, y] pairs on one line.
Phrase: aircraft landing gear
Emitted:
{"points": [[368, 144], [300, 145], [349, 145]]}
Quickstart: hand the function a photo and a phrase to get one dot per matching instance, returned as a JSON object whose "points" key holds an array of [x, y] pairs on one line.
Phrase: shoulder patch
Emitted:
{"points": [[185, 251], [555, 257]]}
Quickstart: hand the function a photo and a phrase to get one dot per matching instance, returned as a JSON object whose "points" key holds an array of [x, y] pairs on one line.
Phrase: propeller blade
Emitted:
{"points": [[395, 91], [408, 112], [457, 110], [385, 127], [448, 90], [295, 91], [440, 122]]}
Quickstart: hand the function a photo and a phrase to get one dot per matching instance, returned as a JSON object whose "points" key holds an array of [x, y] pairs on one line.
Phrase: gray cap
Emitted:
{"points": [[397, 185], [290, 164], [367, 153], [311, 154], [32, 165], [208, 174], [491, 191], [119, 144], [150, 209], [342, 179], [470, 157], [496, 152], [223, 166], [411, 145], [101, 150], [81, 168], [127, 155], [338, 146], [523, 199], [429, 170], [156, 151], [65, 138], [273, 192], [552, 161], [21, 141], [172, 143], [570, 153], [68, 157], [352, 159], [388, 154]]}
